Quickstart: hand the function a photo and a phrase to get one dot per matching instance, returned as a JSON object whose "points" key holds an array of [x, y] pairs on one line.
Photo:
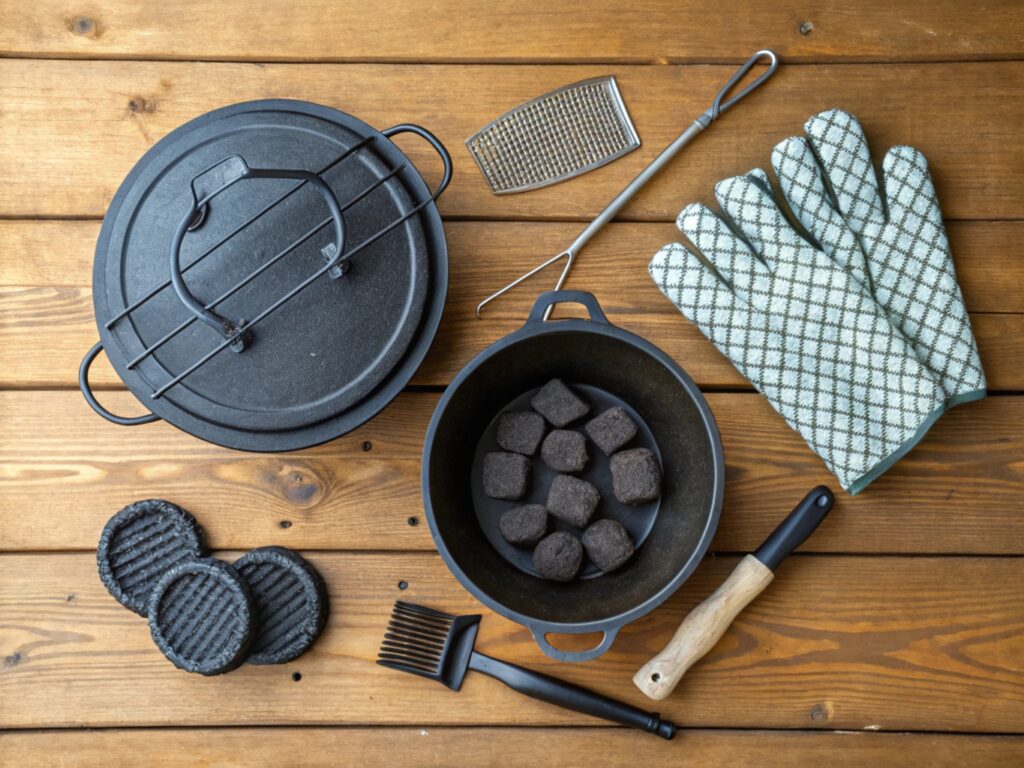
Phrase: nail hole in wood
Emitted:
{"points": [[82, 25]]}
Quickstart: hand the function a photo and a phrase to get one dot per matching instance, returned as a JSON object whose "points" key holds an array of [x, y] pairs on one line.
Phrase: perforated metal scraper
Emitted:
{"points": [[554, 137], [718, 106]]}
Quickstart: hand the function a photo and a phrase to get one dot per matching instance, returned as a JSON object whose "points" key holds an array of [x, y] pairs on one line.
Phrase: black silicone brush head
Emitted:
{"points": [[429, 643]]}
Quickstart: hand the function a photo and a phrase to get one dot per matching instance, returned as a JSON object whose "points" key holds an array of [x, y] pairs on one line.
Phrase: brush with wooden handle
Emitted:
{"points": [[705, 624]]}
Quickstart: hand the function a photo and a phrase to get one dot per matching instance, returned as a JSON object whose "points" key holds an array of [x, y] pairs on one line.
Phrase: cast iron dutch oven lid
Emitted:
{"points": [[270, 275]]}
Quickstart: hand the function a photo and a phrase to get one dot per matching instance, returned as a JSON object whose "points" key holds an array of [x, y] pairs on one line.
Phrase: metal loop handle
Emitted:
{"points": [[90, 398], [718, 106], [612, 209], [231, 170], [540, 634], [547, 300], [433, 141]]}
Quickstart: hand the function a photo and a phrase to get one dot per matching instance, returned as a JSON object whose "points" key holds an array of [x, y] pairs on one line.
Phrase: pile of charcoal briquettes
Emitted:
{"points": [[636, 479]]}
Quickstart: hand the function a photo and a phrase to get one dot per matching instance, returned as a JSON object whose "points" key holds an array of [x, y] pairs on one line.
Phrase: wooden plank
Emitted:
{"points": [[460, 30], [985, 253], [506, 747], [116, 110], [835, 643], [958, 491], [46, 315]]}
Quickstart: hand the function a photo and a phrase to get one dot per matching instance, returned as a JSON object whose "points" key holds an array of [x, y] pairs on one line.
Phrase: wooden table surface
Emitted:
{"points": [[896, 635]]}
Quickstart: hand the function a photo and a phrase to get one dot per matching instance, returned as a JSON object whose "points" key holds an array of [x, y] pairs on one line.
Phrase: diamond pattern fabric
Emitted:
{"points": [[855, 329], [898, 249]]}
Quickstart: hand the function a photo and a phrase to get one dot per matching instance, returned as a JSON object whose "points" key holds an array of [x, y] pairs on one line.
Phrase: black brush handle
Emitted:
{"points": [[794, 530], [571, 696]]}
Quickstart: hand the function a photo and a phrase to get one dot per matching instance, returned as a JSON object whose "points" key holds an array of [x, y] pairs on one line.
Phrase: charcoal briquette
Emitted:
{"points": [[559, 404], [636, 476], [521, 431], [141, 543], [565, 451], [524, 525], [558, 557], [290, 601], [611, 430], [608, 544], [202, 616], [572, 500], [506, 475]]}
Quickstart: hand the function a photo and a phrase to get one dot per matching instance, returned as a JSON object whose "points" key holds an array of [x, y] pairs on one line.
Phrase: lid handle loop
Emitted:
{"points": [[206, 186]]}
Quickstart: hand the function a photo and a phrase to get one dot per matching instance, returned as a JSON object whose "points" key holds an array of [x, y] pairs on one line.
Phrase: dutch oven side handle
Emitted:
{"points": [[90, 398], [540, 633], [434, 142], [548, 299]]}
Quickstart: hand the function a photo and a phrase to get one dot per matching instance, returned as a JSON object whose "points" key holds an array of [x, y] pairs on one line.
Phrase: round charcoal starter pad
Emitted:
{"points": [[202, 616], [140, 544], [291, 604]]}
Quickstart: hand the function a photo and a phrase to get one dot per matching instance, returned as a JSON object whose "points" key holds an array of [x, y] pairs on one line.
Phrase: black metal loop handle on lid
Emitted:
{"points": [[207, 186]]}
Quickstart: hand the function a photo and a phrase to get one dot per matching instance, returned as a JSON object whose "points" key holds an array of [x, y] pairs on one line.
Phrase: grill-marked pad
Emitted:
{"points": [[291, 604], [202, 617], [141, 543]]}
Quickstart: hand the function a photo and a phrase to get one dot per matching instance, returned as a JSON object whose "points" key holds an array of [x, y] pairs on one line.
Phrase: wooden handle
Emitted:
{"points": [[702, 628]]}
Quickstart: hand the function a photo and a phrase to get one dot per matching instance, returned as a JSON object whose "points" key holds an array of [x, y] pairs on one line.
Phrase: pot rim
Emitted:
{"points": [[598, 324]]}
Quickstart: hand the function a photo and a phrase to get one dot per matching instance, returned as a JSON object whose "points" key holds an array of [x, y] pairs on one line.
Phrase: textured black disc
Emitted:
{"points": [[202, 617], [140, 543], [291, 603]]}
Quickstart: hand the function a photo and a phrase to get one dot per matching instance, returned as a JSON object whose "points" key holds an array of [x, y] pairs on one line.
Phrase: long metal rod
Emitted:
{"points": [[618, 203]]}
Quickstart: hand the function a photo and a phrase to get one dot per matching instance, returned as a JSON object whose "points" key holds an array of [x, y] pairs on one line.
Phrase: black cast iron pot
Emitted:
{"points": [[600, 358], [270, 275]]}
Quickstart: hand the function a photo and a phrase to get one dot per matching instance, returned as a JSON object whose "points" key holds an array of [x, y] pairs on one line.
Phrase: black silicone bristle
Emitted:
{"points": [[416, 640]]}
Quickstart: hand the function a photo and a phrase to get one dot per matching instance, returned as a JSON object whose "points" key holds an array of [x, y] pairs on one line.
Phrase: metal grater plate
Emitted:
{"points": [[554, 137]]}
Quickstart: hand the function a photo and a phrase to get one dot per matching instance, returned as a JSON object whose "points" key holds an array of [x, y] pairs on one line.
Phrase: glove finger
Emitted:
{"points": [[705, 299], [749, 203], [731, 257], [801, 181], [918, 279], [909, 191], [839, 142]]}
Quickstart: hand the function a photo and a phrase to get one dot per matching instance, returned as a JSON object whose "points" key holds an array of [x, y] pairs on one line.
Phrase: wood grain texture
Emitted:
{"points": [[836, 643], [984, 252], [462, 30], [69, 134], [46, 314], [430, 747], [702, 628], [64, 471]]}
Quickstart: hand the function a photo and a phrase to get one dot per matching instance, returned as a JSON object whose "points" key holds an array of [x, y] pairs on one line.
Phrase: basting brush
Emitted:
{"points": [[439, 646]]}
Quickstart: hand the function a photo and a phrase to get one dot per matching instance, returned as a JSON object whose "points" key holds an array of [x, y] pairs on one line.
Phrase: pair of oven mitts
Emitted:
{"points": [[850, 320]]}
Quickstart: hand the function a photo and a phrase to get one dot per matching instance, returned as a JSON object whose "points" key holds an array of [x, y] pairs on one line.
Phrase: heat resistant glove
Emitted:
{"points": [[803, 330], [898, 249]]}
